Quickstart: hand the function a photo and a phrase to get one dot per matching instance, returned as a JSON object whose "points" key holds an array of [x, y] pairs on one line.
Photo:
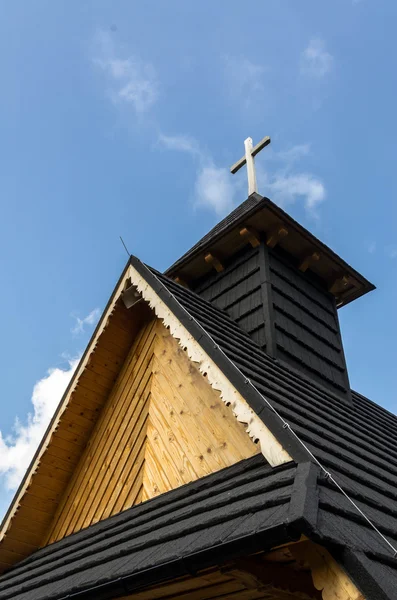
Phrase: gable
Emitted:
{"points": [[162, 426], [31, 514]]}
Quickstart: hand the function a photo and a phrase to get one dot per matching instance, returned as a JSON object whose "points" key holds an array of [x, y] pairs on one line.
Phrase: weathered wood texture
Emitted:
{"points": [[162, 426], [52, 472]]}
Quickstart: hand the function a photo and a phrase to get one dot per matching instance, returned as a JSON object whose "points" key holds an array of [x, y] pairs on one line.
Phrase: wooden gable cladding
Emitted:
{"points": [[41, 493], [163, 426]]}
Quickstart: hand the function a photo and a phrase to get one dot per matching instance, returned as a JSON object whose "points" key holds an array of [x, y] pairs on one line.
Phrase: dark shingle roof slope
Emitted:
{"points": [[246, 501], [356, 443], [245, 508]]}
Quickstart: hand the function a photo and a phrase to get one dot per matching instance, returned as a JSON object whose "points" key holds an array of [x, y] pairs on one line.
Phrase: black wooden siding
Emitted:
{"points": [[286, 314], [306, 325], [237, 290]]}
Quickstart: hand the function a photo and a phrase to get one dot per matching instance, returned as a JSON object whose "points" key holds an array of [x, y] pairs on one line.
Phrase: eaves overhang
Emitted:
{"points": [[264, 218]]}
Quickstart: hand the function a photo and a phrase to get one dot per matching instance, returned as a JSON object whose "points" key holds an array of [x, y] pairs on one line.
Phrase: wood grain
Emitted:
{"points": [[162, 426]]}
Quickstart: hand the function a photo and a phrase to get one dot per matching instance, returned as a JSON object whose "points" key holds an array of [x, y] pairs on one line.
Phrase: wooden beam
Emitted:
{"points": [[275, 236], [214, 262], [181, 282], [308, 261], [251, 235], [255, 574], [328, 576], [339, 285]]}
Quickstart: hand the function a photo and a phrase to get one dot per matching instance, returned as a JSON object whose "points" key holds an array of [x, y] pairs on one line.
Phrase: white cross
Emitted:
{"points": [[248, 159]]}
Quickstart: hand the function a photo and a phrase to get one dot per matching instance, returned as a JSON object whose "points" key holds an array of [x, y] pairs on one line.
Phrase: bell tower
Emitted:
{"points": [[282, 286]]}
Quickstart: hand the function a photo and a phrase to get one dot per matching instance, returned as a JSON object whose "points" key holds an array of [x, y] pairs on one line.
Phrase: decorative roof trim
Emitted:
{"points": [[271, 448]]}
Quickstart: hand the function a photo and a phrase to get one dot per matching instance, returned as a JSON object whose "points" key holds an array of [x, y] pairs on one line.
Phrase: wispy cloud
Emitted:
{"points": [[244, 79], [216, 189], [286, 188], [89, 320], [182, 143], [17, 450], [391, 251], [315, 60], [293, 154], [285, 183], [213, 187], [131, 81], [372, 247]]}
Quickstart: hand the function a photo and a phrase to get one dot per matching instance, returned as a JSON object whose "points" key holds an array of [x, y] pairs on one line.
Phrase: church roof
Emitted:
{"points": [[355, 442], [147, 543], [246, 508]]}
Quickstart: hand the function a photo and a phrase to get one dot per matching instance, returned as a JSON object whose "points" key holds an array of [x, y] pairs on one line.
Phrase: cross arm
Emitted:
{"points": [[237, 166], [259, 146]]}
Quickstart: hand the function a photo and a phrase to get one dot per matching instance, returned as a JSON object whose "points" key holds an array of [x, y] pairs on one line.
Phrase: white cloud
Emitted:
{"points": [[285, 184], [131, 80], [244, 78], [286, 188], [17, 450], [315, 60], [215, 188], [371, 247], [90, 320]]}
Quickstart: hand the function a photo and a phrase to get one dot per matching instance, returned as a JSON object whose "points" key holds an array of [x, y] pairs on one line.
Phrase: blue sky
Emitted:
{"points": [[122, 118]]}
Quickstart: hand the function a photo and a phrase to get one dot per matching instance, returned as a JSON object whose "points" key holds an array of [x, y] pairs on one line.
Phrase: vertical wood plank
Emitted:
{"points": [[163, 426]]}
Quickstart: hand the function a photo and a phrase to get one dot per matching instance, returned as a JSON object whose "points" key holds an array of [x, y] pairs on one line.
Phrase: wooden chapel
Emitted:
{"points": [[209, 445]]}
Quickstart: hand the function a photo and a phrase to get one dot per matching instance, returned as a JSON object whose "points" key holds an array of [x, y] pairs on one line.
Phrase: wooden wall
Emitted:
{"points": [[306, 326], [162, 426], [283, 310], [237, 290]]}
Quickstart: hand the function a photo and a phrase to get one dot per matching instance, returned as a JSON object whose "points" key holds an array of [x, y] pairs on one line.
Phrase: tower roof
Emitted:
{"points": [[259, 216]]}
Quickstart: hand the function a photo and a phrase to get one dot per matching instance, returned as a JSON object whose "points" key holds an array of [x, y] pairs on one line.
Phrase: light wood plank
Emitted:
{"points": [[162, 426]]}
